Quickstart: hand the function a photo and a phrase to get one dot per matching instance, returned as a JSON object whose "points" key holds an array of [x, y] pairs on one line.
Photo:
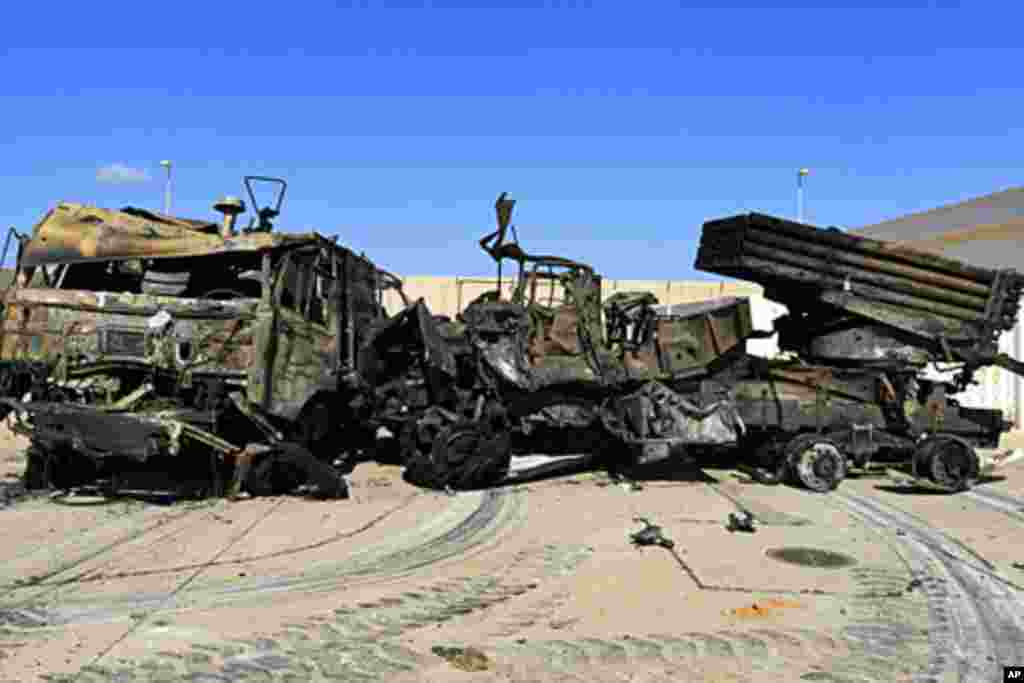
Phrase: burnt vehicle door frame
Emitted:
{"points": [[575, 280], [289, 318]]}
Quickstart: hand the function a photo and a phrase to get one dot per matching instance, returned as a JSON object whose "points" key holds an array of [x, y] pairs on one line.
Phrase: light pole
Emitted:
{"points": [[800, 175], [167, 190]]}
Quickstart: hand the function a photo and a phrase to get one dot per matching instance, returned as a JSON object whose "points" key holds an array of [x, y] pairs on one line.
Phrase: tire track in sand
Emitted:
{"points": [[976, 618]]}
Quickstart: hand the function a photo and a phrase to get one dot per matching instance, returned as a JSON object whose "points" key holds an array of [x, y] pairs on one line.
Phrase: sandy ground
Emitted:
{"points": [[532, 583]]}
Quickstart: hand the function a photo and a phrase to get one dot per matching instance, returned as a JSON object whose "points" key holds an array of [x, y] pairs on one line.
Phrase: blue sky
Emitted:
{"points": [[619, 126]]}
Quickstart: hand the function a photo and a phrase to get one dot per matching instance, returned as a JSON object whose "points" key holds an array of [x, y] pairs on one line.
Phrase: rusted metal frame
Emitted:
{"points": [[253, 412], [764, 408], [303, 272], [826, 272], [273, 298], [13, 232], [519, 294], [212, 440], [323, 269], [886, 271], [310, 287], [762, 373], [947, 354], [994, 307], [715, 344], [64, 268], [266, 278], [872, 247], [552, 278], [829, 387], [378, 293], [807, 277], [395, 283], [347, 323], [219, 314], [590, 347], [664, 366]]}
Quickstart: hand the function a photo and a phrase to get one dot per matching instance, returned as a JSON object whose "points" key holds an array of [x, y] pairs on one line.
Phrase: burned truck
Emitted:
{"points": [[134, 342], [550, 368], [866, 319]]}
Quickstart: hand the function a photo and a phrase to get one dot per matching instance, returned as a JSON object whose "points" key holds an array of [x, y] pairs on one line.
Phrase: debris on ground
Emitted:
{"points": [[650, 535], [763, 608], [559, 624], [11, 492], [741, 522], [463, 658]]}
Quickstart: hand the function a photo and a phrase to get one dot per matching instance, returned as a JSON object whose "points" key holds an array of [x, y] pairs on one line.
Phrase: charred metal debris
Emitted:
{"points": [[265, 361]]}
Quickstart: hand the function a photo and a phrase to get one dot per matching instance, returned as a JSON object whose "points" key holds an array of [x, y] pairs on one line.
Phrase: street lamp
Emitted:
{"points": [[167, 190], [800, 175]]}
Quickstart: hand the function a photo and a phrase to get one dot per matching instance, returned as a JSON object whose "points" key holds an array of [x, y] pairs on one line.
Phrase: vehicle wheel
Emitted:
{"points": [[37, 474], [816, 462], [947, 461], [317, 432], [290, 467], [463, 456], [273, 477], [66, 469], [769, 466], [475, 458], [416, 438]]}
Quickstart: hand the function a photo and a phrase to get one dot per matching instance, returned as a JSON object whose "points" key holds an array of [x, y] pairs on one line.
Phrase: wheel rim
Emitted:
{"points": [[820, 466], [274, 477], [952, 464], [461, 445]]}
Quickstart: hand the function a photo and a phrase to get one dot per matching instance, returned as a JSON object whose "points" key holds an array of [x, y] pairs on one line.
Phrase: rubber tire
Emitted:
{"points": [[927, 463], [482, 460], [798, 446], [301, 467], [37, 475]]}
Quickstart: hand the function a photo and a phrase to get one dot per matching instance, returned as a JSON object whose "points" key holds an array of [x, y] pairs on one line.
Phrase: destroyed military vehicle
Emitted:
{"points": [[134, 342], [547, 370], [552, 367], [866, 319]]}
